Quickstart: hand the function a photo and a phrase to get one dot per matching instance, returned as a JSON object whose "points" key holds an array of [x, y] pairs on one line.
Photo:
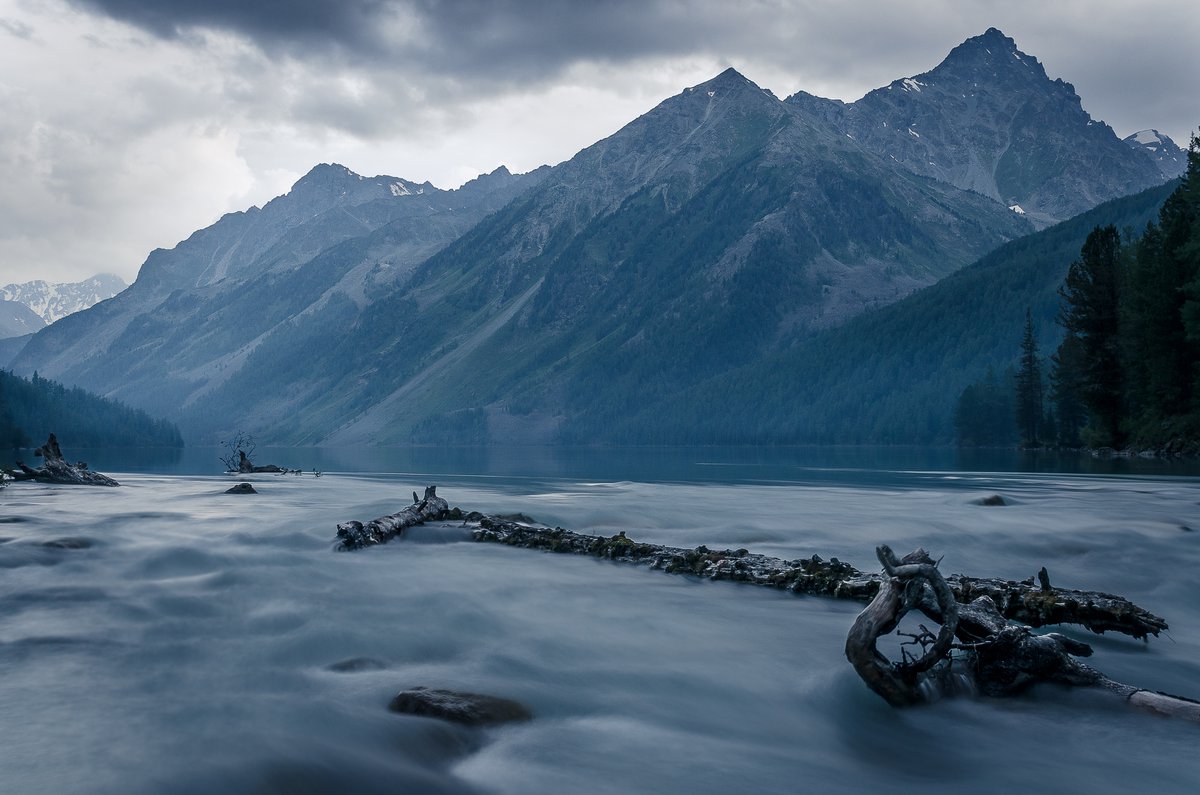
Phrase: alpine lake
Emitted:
{"points": [[167, 637]]}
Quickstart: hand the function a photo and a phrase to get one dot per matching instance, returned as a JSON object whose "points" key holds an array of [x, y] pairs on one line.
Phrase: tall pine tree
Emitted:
{"points": [[1029, 388], [1091, 298]]}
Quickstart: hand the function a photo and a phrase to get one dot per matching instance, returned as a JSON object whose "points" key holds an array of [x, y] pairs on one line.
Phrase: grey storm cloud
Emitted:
{"points": [[501, 40]]}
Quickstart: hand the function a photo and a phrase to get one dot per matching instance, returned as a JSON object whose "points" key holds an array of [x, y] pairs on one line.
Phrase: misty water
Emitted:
{"points": [[166, 637]]}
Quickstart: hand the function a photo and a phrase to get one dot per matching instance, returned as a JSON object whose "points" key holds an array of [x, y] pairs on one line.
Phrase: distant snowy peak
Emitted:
{"points": [[1170, 159], [53, 302]]}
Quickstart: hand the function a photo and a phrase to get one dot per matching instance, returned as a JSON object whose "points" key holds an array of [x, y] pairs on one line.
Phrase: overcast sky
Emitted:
{"points": [[127, 124]]}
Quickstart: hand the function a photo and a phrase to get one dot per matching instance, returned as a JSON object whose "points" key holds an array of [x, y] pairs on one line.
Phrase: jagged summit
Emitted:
{"points": [[53, 302], [990, 56], [990, 120], [1170, 159]]}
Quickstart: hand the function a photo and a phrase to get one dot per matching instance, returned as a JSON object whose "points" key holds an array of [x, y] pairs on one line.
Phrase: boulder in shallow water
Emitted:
{"points": [[992, 500], [241, 488], [471, 709]]}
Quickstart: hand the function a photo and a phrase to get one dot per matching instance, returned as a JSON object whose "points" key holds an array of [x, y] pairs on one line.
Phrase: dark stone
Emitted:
{"points": [[471, 709], [993, 500], [241, 488]]}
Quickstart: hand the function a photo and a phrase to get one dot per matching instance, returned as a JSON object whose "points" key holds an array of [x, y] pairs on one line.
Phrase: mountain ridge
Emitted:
{"points": [[719, 228]]}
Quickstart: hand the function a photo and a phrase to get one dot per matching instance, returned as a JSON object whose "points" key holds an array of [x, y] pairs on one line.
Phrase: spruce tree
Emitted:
{"points": [[1029, 388], [1090, 313]]}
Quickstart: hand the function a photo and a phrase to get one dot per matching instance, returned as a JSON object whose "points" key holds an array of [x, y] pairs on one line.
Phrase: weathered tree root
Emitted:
{"points": [[55, 469], [997, 658], [1030, 604]]}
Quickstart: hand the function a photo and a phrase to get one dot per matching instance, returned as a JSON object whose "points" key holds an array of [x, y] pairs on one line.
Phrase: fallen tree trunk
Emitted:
{"points": [[996, 657], [1021, 601], [975, 615], [56, 469], [356, 535], [1036, 605], [246, 467]]}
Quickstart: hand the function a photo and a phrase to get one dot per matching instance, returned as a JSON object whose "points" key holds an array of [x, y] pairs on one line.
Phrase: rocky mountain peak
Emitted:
{"points": [[51, 301], [989, 119], [1166, 154], [991, 57], [729, 83]]}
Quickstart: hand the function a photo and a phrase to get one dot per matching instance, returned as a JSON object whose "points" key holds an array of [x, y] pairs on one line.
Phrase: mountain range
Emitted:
{"points": [[722, 228], [53, 302]]}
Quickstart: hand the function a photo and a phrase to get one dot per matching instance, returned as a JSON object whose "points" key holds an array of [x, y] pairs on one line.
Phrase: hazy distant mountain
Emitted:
{"points": [[16, 319], [303, 264], [719, 230], [1170, 159], [55, 301], [988, 119]]}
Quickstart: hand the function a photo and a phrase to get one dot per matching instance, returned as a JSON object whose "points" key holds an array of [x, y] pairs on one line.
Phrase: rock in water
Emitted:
{"points": [[471, 709], [241, 488]]}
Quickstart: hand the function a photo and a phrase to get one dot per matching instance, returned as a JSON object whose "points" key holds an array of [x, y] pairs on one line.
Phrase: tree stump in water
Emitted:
{"points": [[56, 469]]}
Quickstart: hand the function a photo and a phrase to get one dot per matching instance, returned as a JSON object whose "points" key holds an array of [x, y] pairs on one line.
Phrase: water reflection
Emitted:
{"points": [[861, 466]]}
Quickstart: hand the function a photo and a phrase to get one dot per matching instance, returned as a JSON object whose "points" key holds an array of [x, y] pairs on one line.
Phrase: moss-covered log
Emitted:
{"points": [[1030, 602]]}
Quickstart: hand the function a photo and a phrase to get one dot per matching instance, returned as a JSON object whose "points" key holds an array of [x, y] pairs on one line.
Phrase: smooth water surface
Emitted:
{"points": [[166, 637]]}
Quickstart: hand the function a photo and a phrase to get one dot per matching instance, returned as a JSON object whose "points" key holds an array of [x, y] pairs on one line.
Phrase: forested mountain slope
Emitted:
{"points": [[891, 376], [31, 409]]}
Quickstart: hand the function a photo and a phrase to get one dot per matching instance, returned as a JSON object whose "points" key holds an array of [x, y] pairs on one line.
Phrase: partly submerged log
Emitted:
{"points": [[994, 656], [56, 469], [246, 467], [356, 535], [1033, 604], [1021, 601]]}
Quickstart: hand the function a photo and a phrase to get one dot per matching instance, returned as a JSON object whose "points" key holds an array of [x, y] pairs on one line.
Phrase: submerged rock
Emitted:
{"points": [[471, 709], [994, 499], [241, 488]]}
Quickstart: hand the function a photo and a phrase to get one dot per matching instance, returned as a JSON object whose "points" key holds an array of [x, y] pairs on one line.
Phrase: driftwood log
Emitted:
{"points": [[976, 615], [994, 656], [1033, 603], [356, 535], [56, 469], [247, 467]]}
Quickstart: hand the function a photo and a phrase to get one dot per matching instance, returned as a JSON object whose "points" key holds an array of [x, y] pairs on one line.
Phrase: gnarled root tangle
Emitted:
{"points": [[994, 657]]}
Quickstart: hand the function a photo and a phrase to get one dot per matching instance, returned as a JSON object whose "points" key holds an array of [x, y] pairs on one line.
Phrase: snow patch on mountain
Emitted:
{"points": [[53, 302]]}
